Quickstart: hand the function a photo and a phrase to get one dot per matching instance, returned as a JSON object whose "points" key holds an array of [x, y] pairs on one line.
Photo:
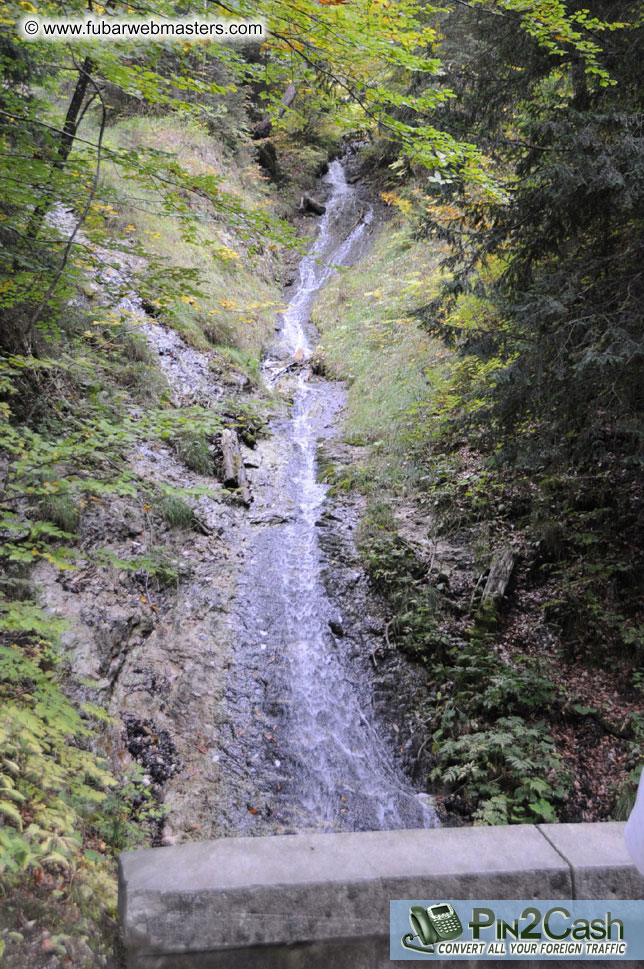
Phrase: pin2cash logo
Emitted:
{"points": [[436, 923]]}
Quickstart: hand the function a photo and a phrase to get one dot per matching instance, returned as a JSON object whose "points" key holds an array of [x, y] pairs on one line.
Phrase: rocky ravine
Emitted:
{"points": [[196, 687]]}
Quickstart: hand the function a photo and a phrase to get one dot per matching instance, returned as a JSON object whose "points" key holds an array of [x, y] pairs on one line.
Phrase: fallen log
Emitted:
{"points": [[234, 472], [287, 99]]}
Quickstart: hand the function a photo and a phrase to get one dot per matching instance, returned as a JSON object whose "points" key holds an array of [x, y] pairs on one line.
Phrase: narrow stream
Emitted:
{"points": [[304, 727]]}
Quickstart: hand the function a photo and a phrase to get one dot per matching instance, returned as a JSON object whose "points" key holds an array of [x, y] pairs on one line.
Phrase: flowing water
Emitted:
{"points": [[312, 755]]}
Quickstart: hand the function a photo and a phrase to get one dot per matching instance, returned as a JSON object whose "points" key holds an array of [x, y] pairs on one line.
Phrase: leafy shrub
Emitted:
{"points": [[399, 575], [509, 772], [47, 776]]}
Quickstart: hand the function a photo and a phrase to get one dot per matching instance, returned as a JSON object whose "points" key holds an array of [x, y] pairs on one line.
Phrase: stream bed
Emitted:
{"points": [[303, 723]]}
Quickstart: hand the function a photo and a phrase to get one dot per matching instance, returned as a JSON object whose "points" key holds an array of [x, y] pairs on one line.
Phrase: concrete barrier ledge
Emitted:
{"points": [[322, 900]]}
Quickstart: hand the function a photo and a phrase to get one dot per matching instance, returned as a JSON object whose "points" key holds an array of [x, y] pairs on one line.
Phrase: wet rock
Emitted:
{"points": [[317, 363], [120, 519], [151, 747], [308, 204], [271, 519]]}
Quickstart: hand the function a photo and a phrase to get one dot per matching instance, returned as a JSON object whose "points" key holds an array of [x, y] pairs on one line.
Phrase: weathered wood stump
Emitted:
{"points": [[233, 470], [499, 577]]}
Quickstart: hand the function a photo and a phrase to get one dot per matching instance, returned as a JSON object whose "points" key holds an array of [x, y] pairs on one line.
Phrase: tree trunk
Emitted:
{"points": [[581, 100], [65, 144], [263, 128]]}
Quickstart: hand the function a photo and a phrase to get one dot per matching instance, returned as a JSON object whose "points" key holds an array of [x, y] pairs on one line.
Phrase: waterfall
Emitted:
{"points": [[324, 764]]}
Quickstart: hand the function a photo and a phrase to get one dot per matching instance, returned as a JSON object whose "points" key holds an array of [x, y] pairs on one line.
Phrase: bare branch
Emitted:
{"points": [[90, 198]]}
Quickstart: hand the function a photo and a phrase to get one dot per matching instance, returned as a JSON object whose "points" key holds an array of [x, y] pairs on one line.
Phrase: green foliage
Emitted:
{"points": [[60, 509], [247, 363], [628, 794], [191, 447], [540, 304], [156, 563], [385, 68], [48, 777], [213, 289], [61, 817], [346, 477], [143, 382], [370, 79], [176, 512], [509, 772], [542, 300], [493, 688], [496, 759], [549, 332], [369, 326], [398, 574], [126, 817]]}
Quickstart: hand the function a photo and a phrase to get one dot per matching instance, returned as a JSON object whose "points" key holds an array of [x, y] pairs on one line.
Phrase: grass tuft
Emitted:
{"points": [[192, 448], [61, 509], [177, 513]]}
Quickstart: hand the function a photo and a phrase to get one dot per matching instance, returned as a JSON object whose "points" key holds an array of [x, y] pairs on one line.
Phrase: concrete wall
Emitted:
{"points": [[322, 901]]}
